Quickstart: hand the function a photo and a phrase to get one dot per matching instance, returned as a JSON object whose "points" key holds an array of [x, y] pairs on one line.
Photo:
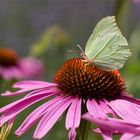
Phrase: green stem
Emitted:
{"points": [[83, 130]]}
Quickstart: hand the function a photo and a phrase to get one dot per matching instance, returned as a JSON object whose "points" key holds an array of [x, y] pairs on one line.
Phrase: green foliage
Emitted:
{"points": [[54, 36]]}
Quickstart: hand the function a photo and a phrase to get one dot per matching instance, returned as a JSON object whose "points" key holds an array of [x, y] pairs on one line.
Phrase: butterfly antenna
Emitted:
{"points": [[69, 51], [80, 48], [82, 53], [75, 50]]}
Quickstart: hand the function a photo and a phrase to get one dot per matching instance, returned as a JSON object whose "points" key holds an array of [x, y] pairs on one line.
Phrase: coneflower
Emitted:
{"points": [[77, 88], [12, 66]]}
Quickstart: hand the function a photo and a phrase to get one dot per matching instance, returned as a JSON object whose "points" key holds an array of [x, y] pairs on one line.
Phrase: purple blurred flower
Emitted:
{"points": [[14, 67], [76, 87], [136, 1]]}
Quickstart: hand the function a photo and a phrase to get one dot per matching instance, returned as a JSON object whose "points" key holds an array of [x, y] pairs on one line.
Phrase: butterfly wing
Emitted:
{"points": [[107, 47]]}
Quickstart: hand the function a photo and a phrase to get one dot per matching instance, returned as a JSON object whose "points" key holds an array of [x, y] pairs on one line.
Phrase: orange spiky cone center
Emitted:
{"points": [[78, 78]]}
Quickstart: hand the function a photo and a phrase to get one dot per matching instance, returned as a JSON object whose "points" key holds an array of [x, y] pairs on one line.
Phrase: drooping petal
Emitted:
{"points": [[114, 125], [16, 107], [73, 117], [50, 118], [95, 109], [36, 114], [135, 138], [107, 135], [126, 110], [127, 136]]}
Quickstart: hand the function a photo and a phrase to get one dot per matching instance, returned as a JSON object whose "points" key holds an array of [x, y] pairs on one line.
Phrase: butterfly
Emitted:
{"points": [[106, 47]]}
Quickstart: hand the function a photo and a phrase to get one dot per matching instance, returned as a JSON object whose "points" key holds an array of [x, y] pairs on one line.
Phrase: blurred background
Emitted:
{"points": [[47, 29]]}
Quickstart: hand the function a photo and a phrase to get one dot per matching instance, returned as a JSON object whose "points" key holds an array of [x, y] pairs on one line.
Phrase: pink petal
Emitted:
{"points": [[107, 109], [113, 125], [36, 114], [11, 121], [8, 93], [135, 138], [54, 89], [126, 110], [106, 135], [131, 99], [18, 101], [74, 114], [72, 134], [95, 109], [49, 119], [31, 85], [73, 117], [16, 107], [127, 136], [28, 86]]}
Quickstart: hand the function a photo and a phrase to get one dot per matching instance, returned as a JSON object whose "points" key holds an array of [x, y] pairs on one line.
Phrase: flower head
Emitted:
{"points": [[77, 78], [14, 67], [76, 85]]}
